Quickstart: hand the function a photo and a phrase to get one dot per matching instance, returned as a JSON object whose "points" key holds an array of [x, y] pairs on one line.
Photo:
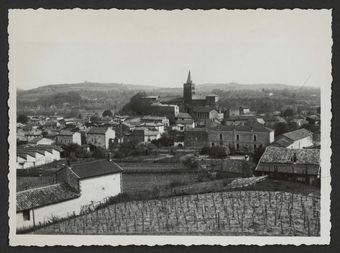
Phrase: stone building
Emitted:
{"points": [[245, 138], [101, 136]]}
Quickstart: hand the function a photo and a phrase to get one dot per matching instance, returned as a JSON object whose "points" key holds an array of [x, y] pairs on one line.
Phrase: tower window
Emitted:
{"points": [[255, 137], [221, 136], [237, 137]]}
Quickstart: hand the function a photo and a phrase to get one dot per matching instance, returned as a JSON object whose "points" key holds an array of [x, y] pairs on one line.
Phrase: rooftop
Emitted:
{"points": [[95, 168], [44, 196], [284, 155], [98, 130], [298, 134]]}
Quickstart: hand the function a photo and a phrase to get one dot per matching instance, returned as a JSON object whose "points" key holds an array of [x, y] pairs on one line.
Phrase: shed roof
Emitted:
{"points": [[284, 155], [95, 168], [42, 196], [98, 130], [298, 134]]}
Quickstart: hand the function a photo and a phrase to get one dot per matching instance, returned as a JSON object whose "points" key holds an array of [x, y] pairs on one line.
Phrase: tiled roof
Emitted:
{"points": [[298, 134], [282, 142], [43, 196], [284, 155], [185, 121], [98, 130], [95, 168], [184, 115], [256, 127], [66, 133]]}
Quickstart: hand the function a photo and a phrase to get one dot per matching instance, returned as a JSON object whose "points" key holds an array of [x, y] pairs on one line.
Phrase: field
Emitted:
{"points": [[225, 213], [140, 182]]}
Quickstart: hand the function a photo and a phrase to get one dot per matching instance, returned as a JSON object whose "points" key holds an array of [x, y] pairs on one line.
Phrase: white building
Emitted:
{"points": [[101, 136], [78, 187], [298, 139], [32, 156]]}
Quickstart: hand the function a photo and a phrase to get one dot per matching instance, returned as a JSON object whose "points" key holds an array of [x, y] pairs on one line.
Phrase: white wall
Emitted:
{"points": [[91, 189], [76, 138], [302, 143]]}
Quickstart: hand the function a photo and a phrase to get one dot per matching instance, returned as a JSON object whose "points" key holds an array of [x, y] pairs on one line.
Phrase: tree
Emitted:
{"points": [[281, 128], [107, 113], [258, 153], [22, 118], [218, 152], [99, 153], [137, 105], [288, 112]]}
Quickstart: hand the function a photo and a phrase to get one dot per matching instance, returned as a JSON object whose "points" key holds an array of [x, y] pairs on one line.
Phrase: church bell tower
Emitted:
{"points": [[188, 92]]}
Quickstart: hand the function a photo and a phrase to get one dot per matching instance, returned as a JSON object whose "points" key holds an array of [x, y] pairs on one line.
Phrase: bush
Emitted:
{"points": [[218, 152]]}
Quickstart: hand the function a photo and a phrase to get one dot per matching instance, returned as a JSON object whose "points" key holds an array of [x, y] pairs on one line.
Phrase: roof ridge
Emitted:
{"points": [[38, 188]]}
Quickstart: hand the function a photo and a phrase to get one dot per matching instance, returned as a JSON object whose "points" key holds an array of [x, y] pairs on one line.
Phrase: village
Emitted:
{"points": [[182, 150]]}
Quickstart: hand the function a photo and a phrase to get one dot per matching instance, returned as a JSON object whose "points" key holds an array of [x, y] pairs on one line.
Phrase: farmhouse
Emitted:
{"points": [[300, 138], [66, 137], [101, 136], [302, 165], [78, 187]]}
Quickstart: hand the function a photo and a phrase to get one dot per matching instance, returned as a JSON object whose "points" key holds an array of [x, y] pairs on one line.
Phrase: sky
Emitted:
{"points": [[150, 47]]}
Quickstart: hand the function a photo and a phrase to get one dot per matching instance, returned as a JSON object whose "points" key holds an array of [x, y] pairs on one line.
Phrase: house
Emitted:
{"points": [[168, 110], [78, 187], [242, 120], [205, 113], [101, 136], [66, 137], [182, 124], [244, 138], [301, 138], [41, 141], [156, 120], [301, 165], [143, 134], [33, 135]]}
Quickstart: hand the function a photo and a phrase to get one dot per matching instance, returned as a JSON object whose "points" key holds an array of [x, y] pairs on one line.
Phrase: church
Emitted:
{"points": [[191, 100], [198, 107]]}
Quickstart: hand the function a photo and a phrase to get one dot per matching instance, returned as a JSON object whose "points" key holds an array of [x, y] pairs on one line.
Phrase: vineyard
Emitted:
{"points": [[224, 213]]}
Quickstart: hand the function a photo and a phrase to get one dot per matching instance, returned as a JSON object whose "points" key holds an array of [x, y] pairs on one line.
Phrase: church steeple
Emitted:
{"points": [[189, 78]]}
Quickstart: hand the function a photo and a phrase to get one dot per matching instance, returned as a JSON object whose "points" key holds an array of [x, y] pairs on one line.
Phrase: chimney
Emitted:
{"points": [[109, 158]]}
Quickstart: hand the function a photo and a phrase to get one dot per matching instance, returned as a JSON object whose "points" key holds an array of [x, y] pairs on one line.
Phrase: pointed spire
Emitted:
{"points": [[189, 78]]}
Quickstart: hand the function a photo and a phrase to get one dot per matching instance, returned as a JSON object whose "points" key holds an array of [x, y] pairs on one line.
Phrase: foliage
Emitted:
{"points": [[190, 161], [99, 152], [60, 99], [74, 150], [257, 154], [288, 112], [107, 113], [166, 140], [137, 105], [22, 118]]}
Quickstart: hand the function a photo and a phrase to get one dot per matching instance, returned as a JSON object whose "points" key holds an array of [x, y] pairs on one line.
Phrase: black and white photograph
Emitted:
{"points": [[154, 127]]}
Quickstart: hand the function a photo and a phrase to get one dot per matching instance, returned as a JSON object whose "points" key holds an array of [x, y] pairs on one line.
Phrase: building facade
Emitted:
{"points": [[101, 136]]}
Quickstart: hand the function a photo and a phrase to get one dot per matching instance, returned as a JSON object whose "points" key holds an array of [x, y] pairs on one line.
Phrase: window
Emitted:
{"points": [[255, 137], [238, 146], [212, 144], [26, 214], [220, 136], [255, 146], [237, 137]]}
